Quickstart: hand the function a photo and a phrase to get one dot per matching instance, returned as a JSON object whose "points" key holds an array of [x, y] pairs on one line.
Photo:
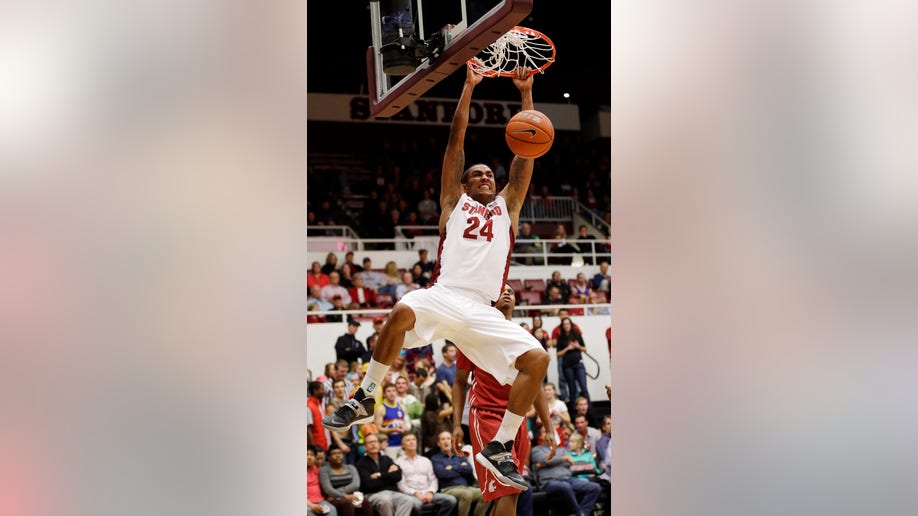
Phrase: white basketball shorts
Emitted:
{"points": [[478, 329]]}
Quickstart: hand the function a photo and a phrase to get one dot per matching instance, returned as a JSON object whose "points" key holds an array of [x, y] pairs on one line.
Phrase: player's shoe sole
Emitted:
{"points": [[353, 412], [497, 458]]}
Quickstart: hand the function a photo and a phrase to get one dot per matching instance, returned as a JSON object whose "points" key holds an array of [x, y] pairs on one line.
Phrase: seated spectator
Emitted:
{"points": [[315, 296], [411, 220], [312, 306], [563, 285], [557, 409], [536, 323], [527, 243], [424, 378], [340, 484], [586, 247], [334, 288], [339, 371], [397, 368], [392, 279], [584, 465], [589, 434], [349, 259], [427, 266], [419, 481], [412, 405], [582, 289], [364, 296], [413, 355], [343, 440], [417, 276], [379, 478], [337, 306], [456, 476], [602, 444], [437, 417], [316, 276], [582, 408], [331, 263], [372, 279], [562, 246], [391, 420], [315, 500], [603, 279], [407, 285], [553, 296], [556, 479], [347, 276], [428, 210], [540, 336]]}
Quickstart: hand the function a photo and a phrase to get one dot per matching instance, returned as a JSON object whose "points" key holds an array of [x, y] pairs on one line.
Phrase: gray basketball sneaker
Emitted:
{"points": [[357, 411], [498, 459]]}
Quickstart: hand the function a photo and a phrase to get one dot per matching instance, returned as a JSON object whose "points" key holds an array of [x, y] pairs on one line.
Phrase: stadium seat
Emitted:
{"points": [[384, 300], [534, 285], [528, 297], [517, 286]]}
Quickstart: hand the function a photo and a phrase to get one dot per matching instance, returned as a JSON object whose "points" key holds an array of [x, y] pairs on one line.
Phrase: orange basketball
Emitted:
{"points": [[529, 134]]}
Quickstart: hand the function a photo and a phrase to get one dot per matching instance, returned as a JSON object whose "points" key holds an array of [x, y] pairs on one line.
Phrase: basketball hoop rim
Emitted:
{"points": [[529, 32]]}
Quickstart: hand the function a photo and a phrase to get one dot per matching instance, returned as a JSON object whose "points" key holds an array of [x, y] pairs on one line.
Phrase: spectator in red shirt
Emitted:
{"points": [[360, 294], [562, 313], [315, 404], [316, 276]]}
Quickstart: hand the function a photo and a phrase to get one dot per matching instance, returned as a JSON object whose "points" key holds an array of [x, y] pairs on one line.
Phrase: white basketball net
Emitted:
{"points": [[518, 47]]}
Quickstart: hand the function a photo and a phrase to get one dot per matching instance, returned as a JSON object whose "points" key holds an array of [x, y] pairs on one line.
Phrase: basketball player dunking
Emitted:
{"points": [[477, 227], [487, 399]]}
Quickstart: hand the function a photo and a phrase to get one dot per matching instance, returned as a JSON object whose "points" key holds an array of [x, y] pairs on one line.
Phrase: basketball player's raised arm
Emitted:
{"points": [[454, 158], [520, 173]]}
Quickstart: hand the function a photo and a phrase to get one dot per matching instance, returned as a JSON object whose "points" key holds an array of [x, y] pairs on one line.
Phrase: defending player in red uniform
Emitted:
{"points": [[487, 400]]}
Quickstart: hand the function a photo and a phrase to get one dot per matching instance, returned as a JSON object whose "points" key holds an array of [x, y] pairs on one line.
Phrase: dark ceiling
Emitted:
{"points": [[338, 34]]}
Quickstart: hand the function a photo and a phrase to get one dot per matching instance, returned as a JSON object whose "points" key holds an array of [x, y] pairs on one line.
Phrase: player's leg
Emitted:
{"points": [[505, 505], [511, 355], [532, 367], [359, 409]]}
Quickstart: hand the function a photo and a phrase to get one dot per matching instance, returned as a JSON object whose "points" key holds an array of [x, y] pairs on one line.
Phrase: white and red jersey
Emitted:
{"points": [[475, 247]]}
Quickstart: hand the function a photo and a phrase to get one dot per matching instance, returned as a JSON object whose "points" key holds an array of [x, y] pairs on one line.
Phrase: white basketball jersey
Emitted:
{"points": [[475, 248]]}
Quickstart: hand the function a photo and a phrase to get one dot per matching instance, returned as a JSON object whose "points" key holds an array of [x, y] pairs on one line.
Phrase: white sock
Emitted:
{"points": [[509, 426], [376, 373]]}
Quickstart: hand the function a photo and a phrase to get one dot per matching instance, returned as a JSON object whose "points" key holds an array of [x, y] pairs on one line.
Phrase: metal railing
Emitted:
{"points": [[554, 252], [538, 209], [526, 252], [594, 218], [520, 310]]}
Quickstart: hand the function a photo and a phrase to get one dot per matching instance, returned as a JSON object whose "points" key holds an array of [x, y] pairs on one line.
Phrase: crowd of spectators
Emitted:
{"points": [[353, 287], [399, 182], [404, 460]]}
